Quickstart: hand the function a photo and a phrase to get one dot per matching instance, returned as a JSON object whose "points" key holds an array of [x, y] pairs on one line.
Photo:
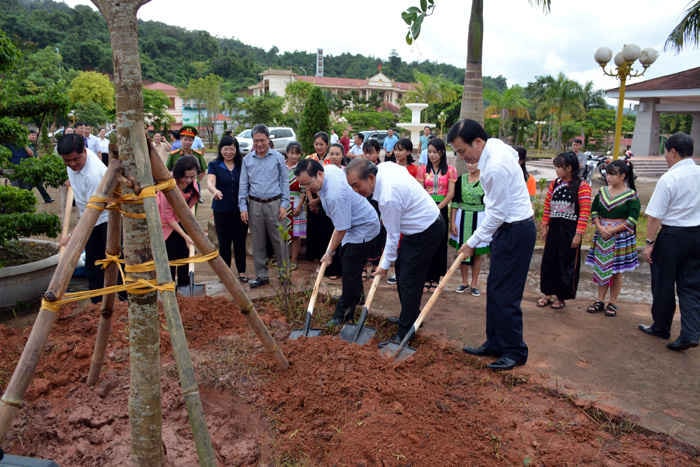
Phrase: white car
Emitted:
{"points": [[280, 137]]}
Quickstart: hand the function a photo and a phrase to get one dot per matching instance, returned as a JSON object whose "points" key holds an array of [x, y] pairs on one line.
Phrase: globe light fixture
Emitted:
{"points": [[624, 61]]}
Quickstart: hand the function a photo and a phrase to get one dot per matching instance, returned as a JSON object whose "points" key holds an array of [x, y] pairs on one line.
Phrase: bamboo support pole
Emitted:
{"points": [[12, 399], [223, 271], [104, 328]]}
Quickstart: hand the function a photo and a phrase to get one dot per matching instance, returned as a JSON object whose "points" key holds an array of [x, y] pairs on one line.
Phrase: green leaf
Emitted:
{"points": [[409, 38], [424, 5], [415, 29]]}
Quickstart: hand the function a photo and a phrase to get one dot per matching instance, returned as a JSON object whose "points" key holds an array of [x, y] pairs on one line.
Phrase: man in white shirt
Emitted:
{"points": [[85, 171], [509, 227], [356, 229], [673, 245], [409, 213], [356, 148]]}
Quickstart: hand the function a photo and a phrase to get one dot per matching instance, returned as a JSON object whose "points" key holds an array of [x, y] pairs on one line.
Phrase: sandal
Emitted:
{"points": [[558, 305], [544, 301], [242, 279], [596, 307], [611, 310]]}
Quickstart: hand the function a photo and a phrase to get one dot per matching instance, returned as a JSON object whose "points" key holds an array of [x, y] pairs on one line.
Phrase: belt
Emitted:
{"points": [[508, 224], [264, 200]]}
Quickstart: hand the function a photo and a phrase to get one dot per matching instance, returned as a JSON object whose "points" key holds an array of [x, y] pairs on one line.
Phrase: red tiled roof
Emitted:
{"points": [[158, 86], [347, 82], [688, 79]]}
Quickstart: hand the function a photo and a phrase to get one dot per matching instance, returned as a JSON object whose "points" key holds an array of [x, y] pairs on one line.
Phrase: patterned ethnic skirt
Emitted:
{"points": [[616, 255]]}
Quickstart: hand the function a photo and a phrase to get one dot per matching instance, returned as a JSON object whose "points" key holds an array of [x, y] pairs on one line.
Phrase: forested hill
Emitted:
{"points": [[175, 55]]}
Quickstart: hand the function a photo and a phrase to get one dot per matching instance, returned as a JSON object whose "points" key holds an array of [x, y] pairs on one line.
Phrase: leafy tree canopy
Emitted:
{"points": [[92, 87]]}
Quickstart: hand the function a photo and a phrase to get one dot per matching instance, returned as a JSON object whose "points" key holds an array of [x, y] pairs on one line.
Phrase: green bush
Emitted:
{"points": [[49, 170], [18, 219], [367, 120], [315, 117]]}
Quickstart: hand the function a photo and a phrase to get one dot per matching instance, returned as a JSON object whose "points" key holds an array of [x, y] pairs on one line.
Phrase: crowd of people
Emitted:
{"points": [[349, 209]]}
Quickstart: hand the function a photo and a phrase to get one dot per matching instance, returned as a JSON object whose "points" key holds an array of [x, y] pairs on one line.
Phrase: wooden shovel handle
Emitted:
{"points": [[67, 209], [373, 288], [190, 266], [433, 298], [317, 285]]}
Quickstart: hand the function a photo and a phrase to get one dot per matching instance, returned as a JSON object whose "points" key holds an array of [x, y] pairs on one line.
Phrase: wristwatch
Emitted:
{"points": [[650, 242]]}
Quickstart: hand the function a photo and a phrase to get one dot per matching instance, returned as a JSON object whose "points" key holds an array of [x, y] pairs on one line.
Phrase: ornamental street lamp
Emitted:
{"points": [[539, 124], [624, 60]]}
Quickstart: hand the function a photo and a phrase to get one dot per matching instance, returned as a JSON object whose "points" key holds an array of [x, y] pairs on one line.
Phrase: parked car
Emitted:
{"points": [[280, 137], [379, 135]]}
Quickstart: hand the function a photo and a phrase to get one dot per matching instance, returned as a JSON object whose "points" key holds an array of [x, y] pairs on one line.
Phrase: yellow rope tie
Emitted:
{"points": [[135, 287], [150, 265]]}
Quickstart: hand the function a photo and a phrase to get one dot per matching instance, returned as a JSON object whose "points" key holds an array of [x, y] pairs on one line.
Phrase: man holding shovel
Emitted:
{"points": [[409, 213], [509, 225], [356, 227]]}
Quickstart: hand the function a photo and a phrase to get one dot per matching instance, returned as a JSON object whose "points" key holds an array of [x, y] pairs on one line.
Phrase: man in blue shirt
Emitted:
{"points": [[263, 199], [389, 143], [356, 229]]}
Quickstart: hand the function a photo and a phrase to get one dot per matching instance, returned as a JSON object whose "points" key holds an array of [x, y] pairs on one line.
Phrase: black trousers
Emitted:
{"points": [[438, 266], [176, 247], [95, 250], [675, 268], [561, 264], [231, 230], [415, 255], [511, 252], [353, 257]]}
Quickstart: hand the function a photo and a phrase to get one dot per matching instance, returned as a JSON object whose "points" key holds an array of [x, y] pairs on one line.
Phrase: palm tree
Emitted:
{"points": [[687, 30], [560, 98], [472, 96], [509, 104]]}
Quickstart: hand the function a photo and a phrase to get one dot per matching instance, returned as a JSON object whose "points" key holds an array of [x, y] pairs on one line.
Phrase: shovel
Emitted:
{"points": [[307, 331], [192, 290], [403, 351], [358, 333]]}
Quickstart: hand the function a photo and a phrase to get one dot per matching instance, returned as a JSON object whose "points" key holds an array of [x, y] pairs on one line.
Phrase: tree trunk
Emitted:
{"points": [[144, 333], [472, 97]]}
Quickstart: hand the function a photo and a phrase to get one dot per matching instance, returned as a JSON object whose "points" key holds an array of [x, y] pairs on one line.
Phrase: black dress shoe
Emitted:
{"points": [[650, 330], [504, 363], [681, 344], [395, 339], [393, 319], [481, 351], [258, 282]]}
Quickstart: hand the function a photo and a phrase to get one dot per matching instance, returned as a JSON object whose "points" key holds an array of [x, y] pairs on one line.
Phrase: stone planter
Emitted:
{"points": [[26, 282]]}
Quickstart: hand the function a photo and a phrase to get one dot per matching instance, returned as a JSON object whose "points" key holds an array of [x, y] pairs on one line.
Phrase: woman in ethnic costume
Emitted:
{"points": [[615, 212], [567, 207], [439, 180], [466, 215], [297, 210]]}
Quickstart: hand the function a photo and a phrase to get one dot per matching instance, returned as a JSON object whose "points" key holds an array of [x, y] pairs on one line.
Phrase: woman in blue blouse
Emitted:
{"points": [[223, 176]]}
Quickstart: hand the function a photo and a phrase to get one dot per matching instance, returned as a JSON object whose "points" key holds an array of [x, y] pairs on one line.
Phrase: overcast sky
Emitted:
{"points": [[520, 41]]}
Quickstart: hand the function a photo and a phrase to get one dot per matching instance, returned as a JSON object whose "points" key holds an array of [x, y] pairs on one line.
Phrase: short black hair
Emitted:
{"points": [[310, 166], [361, 136], [682, 143], [578, 141], [362, 167], [371, 143], [468, 130], [260, 129], [70, 143]]}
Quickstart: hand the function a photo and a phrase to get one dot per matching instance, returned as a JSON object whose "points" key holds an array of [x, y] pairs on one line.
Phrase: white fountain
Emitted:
{"points": [[415, 127]]}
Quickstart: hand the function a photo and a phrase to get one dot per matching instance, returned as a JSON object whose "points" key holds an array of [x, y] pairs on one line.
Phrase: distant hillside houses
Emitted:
{"points": [[390, 92]]}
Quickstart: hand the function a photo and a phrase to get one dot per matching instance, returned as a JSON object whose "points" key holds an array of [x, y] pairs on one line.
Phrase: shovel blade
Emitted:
{"points": [[349, 330], [296, 334], [191, 290], [389, 351]]}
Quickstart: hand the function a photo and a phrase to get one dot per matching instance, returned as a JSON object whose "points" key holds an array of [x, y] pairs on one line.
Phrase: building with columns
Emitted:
{"points": [[675, 93]]}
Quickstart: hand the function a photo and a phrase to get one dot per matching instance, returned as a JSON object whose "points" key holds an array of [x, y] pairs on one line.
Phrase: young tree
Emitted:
{"points": [[262, 109], [315, 117], [207, 93]]}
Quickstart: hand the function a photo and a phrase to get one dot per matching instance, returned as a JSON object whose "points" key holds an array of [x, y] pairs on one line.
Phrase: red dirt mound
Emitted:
{"points": [[338, 404]]}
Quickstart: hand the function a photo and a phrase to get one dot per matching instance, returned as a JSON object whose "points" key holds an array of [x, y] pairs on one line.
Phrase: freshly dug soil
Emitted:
{"points": [[338, 404], [16, 252]]}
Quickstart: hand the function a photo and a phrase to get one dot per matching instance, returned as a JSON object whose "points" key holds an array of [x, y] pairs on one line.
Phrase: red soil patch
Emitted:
{"points": [[338, 404]]}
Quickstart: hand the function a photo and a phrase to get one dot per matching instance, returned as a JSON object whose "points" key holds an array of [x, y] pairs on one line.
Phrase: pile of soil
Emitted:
{"points": [[337, 404]]}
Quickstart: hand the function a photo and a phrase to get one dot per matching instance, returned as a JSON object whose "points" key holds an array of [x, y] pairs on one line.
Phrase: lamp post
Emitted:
{"points": [[539, 124], [441, 118], [624, 60]]}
